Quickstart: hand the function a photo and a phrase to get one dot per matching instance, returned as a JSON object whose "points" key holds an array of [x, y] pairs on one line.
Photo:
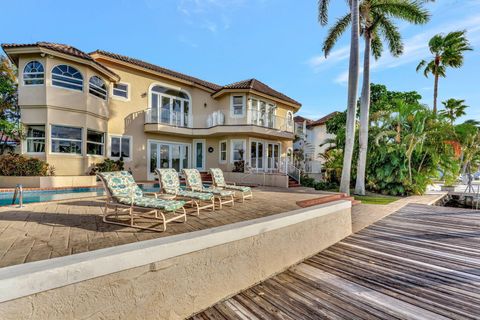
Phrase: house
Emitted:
{"points": [[80, 108], [309, 142]]}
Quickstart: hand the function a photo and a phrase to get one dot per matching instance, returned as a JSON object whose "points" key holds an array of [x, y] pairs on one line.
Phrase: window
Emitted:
{"points": [[67, 77], [237, 106], [97, 87], [120, 90], [237, 150], [35, 139], [66, 139], [120, 147], [95, 142], [223, 151], [33, 73]]}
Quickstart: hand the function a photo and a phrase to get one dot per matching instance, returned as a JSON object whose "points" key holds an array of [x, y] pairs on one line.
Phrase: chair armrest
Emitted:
{"points": [[155, 194], [230, 183]]}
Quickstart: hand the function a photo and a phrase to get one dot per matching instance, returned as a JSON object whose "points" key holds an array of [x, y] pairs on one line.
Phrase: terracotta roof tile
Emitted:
{"points": [[259, 86], [159, 69], [322, 120], [58, 47]]}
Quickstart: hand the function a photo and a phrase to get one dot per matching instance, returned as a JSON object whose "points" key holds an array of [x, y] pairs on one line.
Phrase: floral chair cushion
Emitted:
{"points": [[195, 195], [194, 181], [169, 180], [153, 203], [121, 184], [217, 176], [170, 183]]}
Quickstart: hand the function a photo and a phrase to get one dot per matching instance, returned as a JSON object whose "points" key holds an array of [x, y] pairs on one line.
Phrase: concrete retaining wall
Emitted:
{"points": [[259, 179], [48, 182], [172, 277]]}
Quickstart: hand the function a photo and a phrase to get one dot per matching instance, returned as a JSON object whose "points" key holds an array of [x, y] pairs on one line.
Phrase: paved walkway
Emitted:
{"points": [[421, 262], [54, 229]]}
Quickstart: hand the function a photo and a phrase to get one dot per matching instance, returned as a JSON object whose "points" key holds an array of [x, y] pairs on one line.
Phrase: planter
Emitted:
{"points": [[8, 182]]}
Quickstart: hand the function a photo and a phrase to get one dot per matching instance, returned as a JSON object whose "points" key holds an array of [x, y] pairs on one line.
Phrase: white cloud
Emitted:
{"points": [[317, 63]]}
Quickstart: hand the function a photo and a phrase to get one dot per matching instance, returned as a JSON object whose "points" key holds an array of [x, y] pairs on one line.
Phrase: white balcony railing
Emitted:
{"points": [[165, 116], [269, 120]]}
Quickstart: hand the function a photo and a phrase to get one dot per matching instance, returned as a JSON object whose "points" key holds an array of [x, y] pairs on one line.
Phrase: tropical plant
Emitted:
{"points": [[353, 74], [108, 165], [376, 24], [453, 109], [448, 51], [410, 145], [12, 164], [10, 128]]}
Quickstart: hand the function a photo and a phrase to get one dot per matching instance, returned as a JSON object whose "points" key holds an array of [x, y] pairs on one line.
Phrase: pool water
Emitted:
{"points": [[32, 196]]}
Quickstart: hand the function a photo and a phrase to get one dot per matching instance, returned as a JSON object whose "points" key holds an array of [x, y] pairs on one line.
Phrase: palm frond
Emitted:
{"points": [[392, 35], [335, 32], [323, 11], [411, 11]]}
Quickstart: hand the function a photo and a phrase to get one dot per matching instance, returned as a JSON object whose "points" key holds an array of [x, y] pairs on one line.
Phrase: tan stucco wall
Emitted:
{"points": [[57, 106], [179, 287]]}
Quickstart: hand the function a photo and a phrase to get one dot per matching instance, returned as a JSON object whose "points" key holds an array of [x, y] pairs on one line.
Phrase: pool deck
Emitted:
{"points": [[54, 229], [421, 262]]}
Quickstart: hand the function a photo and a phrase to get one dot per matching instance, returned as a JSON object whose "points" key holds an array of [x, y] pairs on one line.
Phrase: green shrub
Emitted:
{"points": [[12, 164], [107, 166]]}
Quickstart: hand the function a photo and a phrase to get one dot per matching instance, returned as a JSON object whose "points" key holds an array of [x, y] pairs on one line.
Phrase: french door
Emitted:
{"points": [[167, 155], [273, 156], [256, 155], [264, 156]]}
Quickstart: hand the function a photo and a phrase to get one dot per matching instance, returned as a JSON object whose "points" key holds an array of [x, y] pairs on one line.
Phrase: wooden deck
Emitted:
{"points": [[422, 262]]}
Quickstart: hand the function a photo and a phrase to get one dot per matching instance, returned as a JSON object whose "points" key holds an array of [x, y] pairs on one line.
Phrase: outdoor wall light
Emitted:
{"points": [[204, 104], [143, 95]]}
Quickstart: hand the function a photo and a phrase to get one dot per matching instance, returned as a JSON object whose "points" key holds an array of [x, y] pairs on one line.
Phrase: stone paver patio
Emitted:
{"points": [[53, 229]]}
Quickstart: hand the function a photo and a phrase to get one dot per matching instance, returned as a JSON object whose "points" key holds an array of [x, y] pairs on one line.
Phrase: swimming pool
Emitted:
{"points": [[32, 196]]}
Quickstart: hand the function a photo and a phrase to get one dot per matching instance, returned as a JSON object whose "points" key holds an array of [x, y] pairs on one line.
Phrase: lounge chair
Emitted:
{"points": [[124, 195], [194, 183], [219, 182], [170, 185]]}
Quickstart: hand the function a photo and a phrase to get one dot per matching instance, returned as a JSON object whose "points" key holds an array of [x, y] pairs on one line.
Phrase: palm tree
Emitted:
{"points": [[375, 20], [447, 52], [454, 109], [352, 86]]}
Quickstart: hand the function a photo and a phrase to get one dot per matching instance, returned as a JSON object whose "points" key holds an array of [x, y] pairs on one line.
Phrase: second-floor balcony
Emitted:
{"points": [[217, 123], [167, 117]]}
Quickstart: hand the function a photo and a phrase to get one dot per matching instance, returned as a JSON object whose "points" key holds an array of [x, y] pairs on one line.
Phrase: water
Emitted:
{"points": [[32, 196]]}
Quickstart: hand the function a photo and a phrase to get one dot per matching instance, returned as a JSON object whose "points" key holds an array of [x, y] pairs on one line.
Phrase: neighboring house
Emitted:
{"points": [[310, 134], [81, 108]]}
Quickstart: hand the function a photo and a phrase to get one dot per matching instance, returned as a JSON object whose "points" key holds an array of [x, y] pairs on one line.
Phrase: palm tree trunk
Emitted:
{"points": [[364, 119], [435, 87], [352, 100]]}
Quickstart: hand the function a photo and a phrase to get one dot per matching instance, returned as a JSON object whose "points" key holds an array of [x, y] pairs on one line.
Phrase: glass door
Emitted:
{"points": [[256, 155], [167, 155], [199, 154], [273, 156]]}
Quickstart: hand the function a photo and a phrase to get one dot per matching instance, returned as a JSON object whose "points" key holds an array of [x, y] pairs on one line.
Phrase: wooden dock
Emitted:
{"points": [[422, 262]]}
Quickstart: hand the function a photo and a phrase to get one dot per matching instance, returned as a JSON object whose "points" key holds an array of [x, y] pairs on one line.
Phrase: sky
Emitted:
{"points": [[276, 41]]}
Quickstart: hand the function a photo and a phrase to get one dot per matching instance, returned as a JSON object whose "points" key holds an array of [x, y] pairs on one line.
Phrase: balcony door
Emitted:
{"points": [[169, 106], [167, 155]]}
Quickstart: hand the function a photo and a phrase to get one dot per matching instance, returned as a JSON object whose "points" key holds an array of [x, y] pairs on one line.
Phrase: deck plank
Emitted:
{"points": [[421, 262]]}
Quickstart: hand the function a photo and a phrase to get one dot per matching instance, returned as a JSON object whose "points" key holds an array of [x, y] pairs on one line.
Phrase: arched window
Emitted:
{"points": [[169, 106], [97, 87], [67, 77], [33, 73]]}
